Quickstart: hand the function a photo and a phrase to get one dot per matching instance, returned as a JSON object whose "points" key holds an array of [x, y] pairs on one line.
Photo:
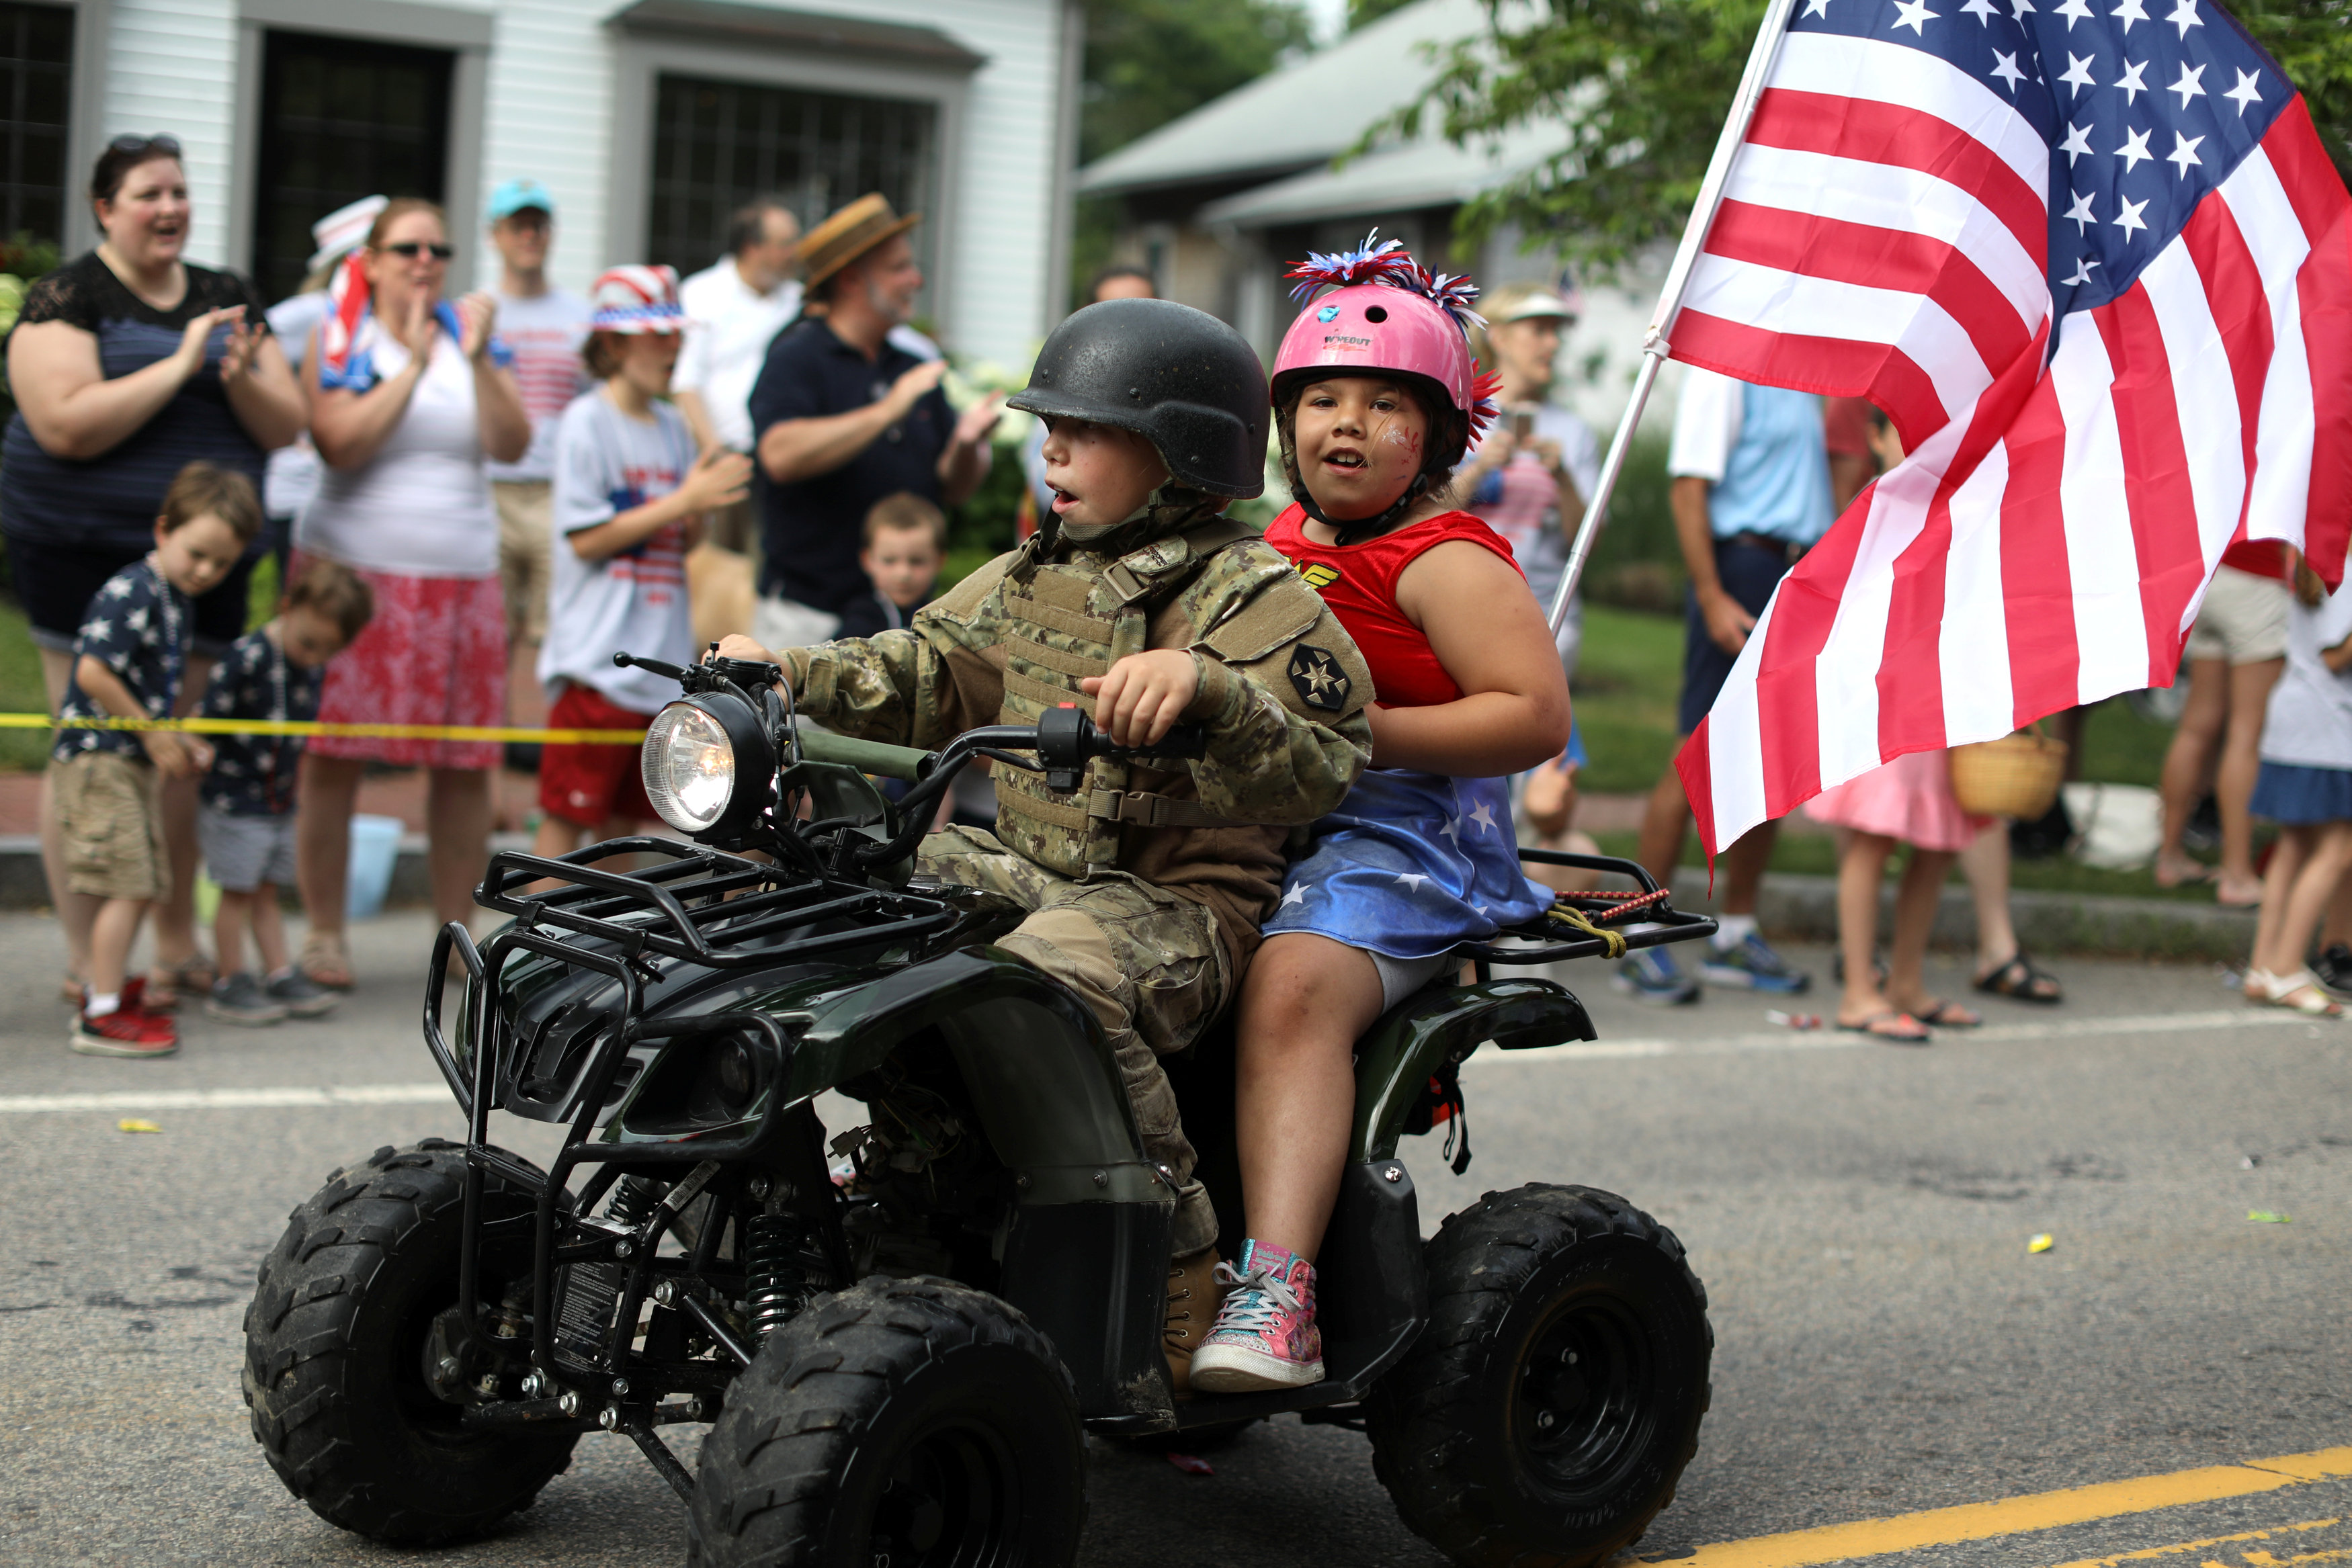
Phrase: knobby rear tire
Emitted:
{"points": [[1545, 1413]]}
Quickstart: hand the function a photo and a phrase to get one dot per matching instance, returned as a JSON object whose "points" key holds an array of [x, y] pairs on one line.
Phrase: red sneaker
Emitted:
{"points": [[124, 1033]]}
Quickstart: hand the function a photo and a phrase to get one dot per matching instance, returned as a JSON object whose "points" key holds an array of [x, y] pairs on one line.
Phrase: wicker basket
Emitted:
{"points": [[2017, 776]]}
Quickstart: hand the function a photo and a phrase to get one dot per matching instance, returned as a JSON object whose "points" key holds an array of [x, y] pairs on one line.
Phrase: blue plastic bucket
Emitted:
{"points": [[376, 847]]}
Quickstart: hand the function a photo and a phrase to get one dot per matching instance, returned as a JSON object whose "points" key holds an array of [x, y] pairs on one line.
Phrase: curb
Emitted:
{"points": [[22, 885], [1799, 907], [1805, 908]]}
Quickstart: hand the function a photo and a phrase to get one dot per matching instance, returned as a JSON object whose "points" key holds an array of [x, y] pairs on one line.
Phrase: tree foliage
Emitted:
{"points": [[2312, 41], [1147, 61], [1640, 89]]}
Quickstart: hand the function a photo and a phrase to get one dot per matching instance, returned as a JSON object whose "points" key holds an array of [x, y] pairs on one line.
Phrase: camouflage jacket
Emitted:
{"points": [[1282, 692]]}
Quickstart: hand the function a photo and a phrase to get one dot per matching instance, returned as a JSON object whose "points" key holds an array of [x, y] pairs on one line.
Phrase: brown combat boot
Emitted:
{"points": [[1192, 1300]]}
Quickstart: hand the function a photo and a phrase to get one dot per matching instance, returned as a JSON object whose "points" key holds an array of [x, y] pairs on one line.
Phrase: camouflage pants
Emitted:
{"points": [[1148, 963]]}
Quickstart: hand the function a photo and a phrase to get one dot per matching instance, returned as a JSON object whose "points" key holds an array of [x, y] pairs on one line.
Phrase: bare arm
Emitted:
{"points": [[262, 390], [2337, 659], [177, 755], [717, 480], [964, 463], [1486, 630], [691, 407], [503, 427], [795, 449], [73, 410], [1727, 621]]}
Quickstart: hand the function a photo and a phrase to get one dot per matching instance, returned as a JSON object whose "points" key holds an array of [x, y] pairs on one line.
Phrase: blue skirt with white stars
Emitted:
{"points": [[1409, 866]]}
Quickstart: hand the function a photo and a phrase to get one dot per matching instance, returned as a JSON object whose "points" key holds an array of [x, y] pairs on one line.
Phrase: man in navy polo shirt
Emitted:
{"points": [[845, 416]]}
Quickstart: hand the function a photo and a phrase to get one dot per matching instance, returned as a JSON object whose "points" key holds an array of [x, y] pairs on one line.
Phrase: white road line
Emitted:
{"points": [[1830, 1038], [232, 1099], [1825, 1039]]}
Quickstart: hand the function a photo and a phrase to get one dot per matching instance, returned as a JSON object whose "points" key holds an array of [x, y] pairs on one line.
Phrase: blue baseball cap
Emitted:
{"points": [[513, 197]]}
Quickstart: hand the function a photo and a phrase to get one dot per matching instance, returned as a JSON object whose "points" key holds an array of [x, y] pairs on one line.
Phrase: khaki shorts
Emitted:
{"points": [[112, 828], [2243, 619], [526, 517]]}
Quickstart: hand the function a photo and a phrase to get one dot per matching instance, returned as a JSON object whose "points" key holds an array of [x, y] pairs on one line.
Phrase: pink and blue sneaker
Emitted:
{"points": [[1265, 1336]]}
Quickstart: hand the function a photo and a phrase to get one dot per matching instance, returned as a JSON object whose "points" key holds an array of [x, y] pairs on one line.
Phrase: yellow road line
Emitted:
{"points": [[2150, 1553], [2040, 1511]]}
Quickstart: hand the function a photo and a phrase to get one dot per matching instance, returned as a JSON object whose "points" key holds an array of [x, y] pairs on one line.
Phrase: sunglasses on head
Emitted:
{"points": [[169, 146], [411, 249]]}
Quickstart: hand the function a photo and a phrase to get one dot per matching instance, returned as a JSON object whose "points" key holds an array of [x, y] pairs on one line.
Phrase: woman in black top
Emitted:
{"points": [[127, 365]]}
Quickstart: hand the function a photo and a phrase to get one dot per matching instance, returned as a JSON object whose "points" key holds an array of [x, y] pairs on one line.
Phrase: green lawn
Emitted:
{"points": [[1630, 673], [20, 691]]}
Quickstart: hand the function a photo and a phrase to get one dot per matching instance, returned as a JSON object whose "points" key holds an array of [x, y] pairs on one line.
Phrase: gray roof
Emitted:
{"points": [[1428, 172], [1298, 116]]}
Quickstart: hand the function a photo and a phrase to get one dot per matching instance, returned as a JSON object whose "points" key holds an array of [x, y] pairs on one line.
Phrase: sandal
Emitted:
{"points": [[327, 960], [167, 983], [2021, 981], [1939, 1013], [2298, 993], [1894, 1028]]}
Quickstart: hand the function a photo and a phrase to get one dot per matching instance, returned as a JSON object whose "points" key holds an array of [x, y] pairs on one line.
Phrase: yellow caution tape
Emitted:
{"points": [[352, 731]]}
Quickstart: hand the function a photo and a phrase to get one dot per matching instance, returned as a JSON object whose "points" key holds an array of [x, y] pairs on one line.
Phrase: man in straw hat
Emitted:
{"points": [[845, 416]]}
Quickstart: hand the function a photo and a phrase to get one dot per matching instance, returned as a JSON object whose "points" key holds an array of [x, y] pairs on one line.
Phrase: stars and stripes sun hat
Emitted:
{"points": [[637, 298]]}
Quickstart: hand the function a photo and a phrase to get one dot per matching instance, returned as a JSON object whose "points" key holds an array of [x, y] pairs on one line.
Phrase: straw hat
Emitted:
{"points": [[849, 233]]}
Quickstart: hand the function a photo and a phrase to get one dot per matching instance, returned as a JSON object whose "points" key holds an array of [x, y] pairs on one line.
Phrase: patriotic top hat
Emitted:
{"points": [[636, 299]]}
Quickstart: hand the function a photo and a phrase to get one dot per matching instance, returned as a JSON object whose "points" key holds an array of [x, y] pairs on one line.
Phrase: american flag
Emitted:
{"points": [[2094, 262]]}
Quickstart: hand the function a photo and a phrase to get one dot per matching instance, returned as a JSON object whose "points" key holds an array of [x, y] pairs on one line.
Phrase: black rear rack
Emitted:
{"points": [[707, 906], [1651, 921]]}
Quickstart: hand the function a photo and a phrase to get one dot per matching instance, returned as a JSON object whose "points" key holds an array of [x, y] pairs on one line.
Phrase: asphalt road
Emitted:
{"points": [[1860, 1215]]}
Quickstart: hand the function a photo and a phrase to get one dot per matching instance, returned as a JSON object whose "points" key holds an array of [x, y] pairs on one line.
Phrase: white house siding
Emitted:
{"points": [[550, 85], [551, 82], [172, 66]]}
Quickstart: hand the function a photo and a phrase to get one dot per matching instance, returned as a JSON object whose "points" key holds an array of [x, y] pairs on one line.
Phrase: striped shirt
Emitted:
{"points": [[546, 332]]}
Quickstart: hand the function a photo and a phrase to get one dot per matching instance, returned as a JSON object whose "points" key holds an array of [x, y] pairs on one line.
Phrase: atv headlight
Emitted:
{"points": [[707, 767]]}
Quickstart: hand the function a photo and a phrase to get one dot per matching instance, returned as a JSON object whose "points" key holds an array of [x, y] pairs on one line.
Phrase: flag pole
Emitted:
{"points": [[1654, 346]]}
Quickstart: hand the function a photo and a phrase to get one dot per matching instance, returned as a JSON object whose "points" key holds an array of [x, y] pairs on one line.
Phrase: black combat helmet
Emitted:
{"points": [[1178, 377]]}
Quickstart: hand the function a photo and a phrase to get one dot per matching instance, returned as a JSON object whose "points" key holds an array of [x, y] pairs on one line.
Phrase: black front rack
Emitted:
{"points": [[710, 908]]}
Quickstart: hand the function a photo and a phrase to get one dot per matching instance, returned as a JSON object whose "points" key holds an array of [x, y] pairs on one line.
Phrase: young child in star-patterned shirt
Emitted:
{"points": [[128, 660], [245, 813]]}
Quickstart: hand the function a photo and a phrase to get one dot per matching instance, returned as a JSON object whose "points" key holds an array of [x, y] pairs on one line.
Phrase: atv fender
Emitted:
{"points": [[1396, 1061], [1086, 1252]]}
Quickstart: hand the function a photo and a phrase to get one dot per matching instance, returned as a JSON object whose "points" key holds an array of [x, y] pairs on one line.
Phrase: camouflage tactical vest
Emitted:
{"points": [[1063, 623]]}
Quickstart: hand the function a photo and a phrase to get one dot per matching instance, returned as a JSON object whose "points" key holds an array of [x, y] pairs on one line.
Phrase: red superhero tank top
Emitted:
{"points": [[1359, 582]]}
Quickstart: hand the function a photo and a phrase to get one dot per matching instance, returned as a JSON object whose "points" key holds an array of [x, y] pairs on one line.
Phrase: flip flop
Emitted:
{"points": [[1943, 1013], [2021, 981], [1894, 1028]]}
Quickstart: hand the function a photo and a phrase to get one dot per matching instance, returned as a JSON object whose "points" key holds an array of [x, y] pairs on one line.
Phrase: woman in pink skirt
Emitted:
{"points": [[1907, 801], [408, 395]]}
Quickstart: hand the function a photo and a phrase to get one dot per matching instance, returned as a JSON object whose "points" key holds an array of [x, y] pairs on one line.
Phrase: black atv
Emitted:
{"points": [[904, 1330]]}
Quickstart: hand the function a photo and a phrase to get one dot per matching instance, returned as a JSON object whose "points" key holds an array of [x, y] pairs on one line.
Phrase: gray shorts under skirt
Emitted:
{"points": [[243, 853]]}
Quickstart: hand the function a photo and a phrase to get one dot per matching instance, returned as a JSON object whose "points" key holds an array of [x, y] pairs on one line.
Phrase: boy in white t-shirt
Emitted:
{"points": [[628, 503]]}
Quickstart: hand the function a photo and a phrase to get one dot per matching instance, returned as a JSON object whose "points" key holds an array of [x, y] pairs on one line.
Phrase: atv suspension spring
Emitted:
{"points": [[786, 1267], [591, 1291]]}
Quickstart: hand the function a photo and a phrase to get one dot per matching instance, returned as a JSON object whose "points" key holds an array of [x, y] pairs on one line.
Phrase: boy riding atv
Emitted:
{"points": [[1135, 598]]}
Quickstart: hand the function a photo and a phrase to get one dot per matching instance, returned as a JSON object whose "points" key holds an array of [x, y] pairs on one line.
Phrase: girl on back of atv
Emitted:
{"points": [[1376, 399]]}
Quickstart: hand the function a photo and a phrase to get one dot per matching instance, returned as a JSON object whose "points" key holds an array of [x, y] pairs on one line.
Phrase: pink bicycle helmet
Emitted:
{"points": [[1385, 312]]}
